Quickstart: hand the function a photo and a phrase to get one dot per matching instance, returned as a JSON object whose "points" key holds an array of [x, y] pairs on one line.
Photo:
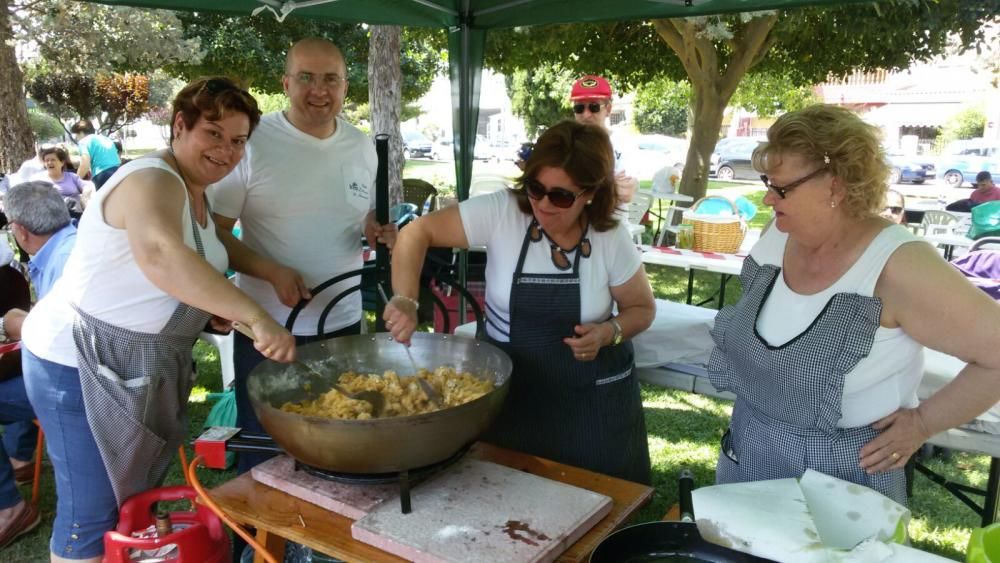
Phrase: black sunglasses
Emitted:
{"points": [[559, 197], [894, 210], [782, 191], [594, 107]]}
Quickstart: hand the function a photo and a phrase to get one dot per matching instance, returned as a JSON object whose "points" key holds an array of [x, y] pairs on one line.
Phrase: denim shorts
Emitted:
{"points": [[86, 506]]}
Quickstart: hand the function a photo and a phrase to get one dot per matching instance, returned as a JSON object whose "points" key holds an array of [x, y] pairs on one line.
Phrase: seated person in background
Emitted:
{"points": [[98, 155], [894, 209], [39, 221], [70, 185], [985, 190], [824, 348]]}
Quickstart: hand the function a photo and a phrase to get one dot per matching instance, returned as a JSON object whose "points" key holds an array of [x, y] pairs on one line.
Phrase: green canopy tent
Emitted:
{"points": [[468, 21]]}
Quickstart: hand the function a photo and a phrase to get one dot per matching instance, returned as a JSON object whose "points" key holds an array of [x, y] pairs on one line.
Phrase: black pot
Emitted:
{"points": [[655, 542]]}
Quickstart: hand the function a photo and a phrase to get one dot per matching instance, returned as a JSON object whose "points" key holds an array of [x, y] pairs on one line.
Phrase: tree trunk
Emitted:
{"points": [[385, 85], [713, 83], [17, 142]]}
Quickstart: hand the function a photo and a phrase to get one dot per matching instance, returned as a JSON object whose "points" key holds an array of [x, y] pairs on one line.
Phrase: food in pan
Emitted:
{"points": [[403, 395]]}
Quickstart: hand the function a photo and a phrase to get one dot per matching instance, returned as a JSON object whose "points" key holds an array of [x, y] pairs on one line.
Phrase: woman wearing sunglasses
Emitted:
{"points": [[824, 350], [559, 265], [107, 353]]}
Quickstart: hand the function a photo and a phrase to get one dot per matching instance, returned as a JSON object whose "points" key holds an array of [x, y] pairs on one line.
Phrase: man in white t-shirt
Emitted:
{"points": [[591, 97], [303, 194]]}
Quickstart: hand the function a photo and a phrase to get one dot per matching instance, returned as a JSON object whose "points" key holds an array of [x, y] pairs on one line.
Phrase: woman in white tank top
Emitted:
{"points": [[107, 353], [824, 349]]}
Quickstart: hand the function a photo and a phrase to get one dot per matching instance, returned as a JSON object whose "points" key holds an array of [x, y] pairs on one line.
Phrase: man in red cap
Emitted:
{"points": [[591, 97]]}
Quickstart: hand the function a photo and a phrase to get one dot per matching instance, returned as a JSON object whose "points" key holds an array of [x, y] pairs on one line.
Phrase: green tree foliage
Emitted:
{"points": [[770, 94], [662, 106], [86, 38], [66, 96], [253, 48], [967, 124], [540, 96], [114, 100], [806, 45], [44, 126]]}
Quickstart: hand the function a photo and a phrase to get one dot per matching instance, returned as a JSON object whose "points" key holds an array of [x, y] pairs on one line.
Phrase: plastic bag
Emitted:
{"points": [[985, 220]]}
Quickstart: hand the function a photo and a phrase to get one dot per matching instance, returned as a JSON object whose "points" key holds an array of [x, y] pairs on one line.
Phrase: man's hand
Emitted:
{"points": [[385, 234], [12, 321], [625, 186], [289, 285]]}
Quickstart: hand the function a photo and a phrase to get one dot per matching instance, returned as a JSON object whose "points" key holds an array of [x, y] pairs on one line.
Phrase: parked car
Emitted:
{"points": [[907, 168], [443, 149], [971, 159], [415, 145], [642, 156], [724, 145], [733, 161]]}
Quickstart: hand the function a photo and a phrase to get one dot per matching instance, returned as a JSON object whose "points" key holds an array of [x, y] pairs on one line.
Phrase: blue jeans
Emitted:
{"points": [[14, 409], [19, 438], [86, 506], [245, 359]]}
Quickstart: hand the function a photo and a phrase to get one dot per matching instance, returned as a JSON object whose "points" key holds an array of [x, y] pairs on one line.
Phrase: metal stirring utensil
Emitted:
{"points": [[385, 299], [374, 397]]}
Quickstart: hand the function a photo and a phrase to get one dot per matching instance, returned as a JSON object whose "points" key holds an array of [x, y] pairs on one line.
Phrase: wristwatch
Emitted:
{"points": [[3, 330], [619, 335]]}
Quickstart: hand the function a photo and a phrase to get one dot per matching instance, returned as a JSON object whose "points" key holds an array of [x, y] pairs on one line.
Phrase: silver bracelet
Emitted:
{"points": [[3, 330]]}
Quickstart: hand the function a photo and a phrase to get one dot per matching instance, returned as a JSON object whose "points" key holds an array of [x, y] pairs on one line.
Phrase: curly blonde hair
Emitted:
{"points": [[853, 148]]}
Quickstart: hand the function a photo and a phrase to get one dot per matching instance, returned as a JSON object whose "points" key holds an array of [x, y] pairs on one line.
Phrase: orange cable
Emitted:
{"points": [[207, 500]]}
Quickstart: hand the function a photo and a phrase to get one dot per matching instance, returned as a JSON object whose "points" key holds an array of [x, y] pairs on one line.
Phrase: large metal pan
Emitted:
{"points": [[382, 445]]}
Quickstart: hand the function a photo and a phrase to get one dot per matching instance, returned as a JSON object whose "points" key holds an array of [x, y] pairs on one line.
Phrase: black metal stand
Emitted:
{"points": [[988, 511]]}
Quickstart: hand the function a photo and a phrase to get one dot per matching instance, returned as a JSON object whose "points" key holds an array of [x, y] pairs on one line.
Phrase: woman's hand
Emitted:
{"points": [[400, 318], [220, 325], [289, 285], [903, 432], [273, 341], [590, 337]]}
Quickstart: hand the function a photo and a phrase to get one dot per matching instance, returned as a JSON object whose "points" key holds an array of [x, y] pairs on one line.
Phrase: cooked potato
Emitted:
{"points": [[403, 396]]}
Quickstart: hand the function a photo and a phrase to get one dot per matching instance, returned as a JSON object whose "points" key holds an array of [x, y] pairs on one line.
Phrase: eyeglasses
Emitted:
{"points": [[329, 81], [894, 209], [559, 197], [782, 191], [594, 107]]}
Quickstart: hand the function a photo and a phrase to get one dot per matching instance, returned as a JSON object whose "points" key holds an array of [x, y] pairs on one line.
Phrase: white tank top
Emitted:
{"points": [[888, 377], [102, 278]]}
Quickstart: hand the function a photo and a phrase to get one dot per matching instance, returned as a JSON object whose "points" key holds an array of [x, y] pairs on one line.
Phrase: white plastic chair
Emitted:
{"points": [[636, 210], [938, 222]]}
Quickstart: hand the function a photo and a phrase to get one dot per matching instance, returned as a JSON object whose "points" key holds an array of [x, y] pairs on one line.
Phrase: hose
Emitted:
{"points": [[192, 478]]}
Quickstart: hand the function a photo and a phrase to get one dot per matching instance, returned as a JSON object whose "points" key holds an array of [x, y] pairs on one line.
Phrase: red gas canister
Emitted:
{"points": [[196, 536]]}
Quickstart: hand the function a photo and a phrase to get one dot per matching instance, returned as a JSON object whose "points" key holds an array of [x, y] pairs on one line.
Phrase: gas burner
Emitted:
{"points": [[405, 478], [413, 475]]}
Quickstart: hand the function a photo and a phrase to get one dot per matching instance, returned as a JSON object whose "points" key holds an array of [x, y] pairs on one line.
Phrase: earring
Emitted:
{"points": [[589, 201], [833, 203]]}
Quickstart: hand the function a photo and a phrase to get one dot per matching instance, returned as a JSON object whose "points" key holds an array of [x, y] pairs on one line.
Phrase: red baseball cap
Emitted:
{"points": [[590, 87]]}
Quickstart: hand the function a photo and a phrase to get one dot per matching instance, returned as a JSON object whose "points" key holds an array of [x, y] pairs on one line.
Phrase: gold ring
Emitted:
{"points": [[894, 456]]}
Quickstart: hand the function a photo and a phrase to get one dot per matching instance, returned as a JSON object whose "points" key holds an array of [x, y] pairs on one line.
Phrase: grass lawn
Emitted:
{"points": [[684, 431]]}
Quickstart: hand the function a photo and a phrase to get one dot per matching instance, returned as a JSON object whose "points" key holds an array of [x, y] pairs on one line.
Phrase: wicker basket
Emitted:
{"points": [[717, 233]]}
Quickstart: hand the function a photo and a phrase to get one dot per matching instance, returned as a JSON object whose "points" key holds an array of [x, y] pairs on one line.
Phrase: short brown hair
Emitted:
{"points": [[584, 152], [210, 98], [83, 126], [60, 153], [838, 139]]}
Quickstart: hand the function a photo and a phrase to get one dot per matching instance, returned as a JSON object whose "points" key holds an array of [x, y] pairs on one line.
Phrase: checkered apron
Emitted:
{"points": [[586, 414], [135, 389], [789, 396]]}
